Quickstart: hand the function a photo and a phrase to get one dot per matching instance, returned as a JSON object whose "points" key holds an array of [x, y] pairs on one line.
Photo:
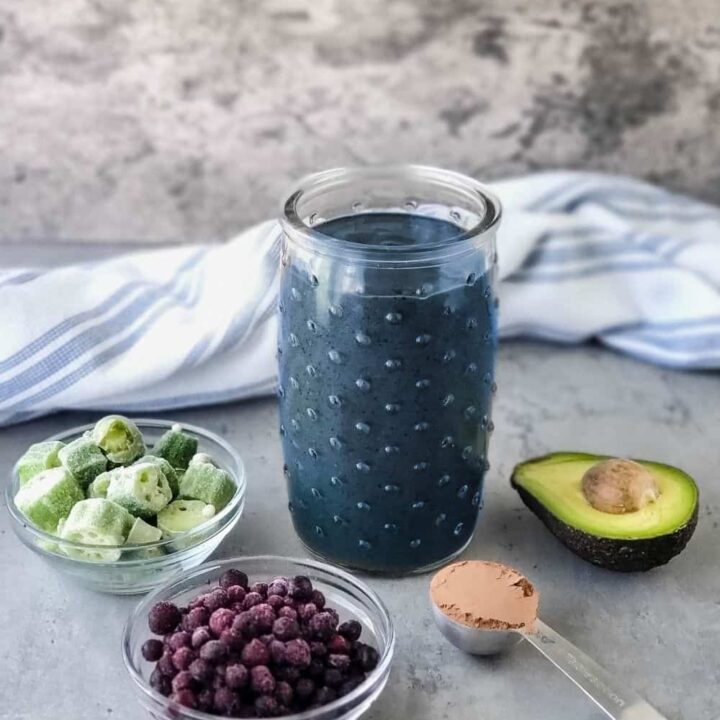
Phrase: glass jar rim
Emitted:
{"points": [[304, 234]]}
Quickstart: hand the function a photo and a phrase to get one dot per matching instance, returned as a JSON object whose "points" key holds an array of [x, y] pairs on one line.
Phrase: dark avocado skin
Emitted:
{"points": [[609, 553], [621, 555]]}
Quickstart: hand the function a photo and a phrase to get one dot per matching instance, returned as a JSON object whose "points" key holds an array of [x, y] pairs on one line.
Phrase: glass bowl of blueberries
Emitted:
{"points": [[123, 505], [261, 636]]}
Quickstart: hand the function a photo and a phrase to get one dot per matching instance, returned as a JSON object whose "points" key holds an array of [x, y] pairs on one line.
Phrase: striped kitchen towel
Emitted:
{"points": [[582, 256]]}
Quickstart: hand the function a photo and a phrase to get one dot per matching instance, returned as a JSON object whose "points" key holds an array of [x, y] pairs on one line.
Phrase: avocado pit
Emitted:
{"points": [[619, 486]]}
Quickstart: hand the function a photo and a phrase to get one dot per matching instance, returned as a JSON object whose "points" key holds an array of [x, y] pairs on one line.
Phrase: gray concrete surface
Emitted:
{"points": [[660, 631], [186, 120]]}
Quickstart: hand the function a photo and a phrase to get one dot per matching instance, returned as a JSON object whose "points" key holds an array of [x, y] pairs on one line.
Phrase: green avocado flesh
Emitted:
{"points": [[551, 486]]}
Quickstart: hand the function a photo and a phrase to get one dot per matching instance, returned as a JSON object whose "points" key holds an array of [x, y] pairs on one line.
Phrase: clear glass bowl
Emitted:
{"points": [[349, 596], [140, 567]]}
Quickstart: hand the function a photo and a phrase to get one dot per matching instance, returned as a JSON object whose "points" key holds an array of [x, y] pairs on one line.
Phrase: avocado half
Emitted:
{"points": [[551, 486]]}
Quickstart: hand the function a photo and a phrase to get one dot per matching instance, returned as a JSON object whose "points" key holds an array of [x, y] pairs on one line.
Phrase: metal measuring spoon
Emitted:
{"points": [[607, 692]]}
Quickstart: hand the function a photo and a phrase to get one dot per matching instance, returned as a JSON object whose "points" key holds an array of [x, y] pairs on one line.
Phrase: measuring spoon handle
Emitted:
{"points": [[618, 702]]}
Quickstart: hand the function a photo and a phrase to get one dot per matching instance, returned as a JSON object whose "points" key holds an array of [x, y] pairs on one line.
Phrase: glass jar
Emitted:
{"points": [[387, 347]]}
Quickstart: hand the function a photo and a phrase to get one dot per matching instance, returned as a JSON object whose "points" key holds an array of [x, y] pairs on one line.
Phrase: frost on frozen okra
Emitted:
{"points": [[169, 471], [176, 447], [141, 489], [38, 457], [142, 532], [48, 498], [84, 459], [204, 481], [98, 487], [96, 522], [119, 438]]}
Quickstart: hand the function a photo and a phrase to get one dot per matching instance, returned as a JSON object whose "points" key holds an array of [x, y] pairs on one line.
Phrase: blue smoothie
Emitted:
{"points": [[385, 396]]}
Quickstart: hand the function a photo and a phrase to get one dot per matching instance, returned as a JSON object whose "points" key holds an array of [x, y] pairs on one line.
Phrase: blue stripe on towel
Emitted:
{"points": [[184, 297], [73, 321], [88, 339], [552, 276]]}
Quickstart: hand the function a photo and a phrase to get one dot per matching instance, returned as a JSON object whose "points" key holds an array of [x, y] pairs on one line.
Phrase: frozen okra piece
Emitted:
{"points": [[203, 481], [142, 532], [48, 498], [170, 473], [98, 487], [142, 489], [38, 457], [176, 446], [183, 515], [84, 459], [96, 521], [119, 438]]}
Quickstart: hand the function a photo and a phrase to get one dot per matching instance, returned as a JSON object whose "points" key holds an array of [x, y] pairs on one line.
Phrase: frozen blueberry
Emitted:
{"points": [[201, 670], [276, 602], [245, 624], [236, 594], [261, 680], [288, 673], [159, 682], [163, 618], [338, 645], [152, 650], [233, 578], [318, 649], [216, 599], [236, 676], [195, 618], [260, 588], [198, 601], [182, 658], [234, 640], [288, 612], [300, 588], [285, 629], [279, 586], [350, 630], [166, 665], [221, 619], [338, 662], [226, 701], [349, 685], [200, 636], [367, 657], [277, 651], [255, 653], [325, 695], [213, 651], [307, 611], [252, 599], [179, 639], [182, 681], [266, 706], [284, 693], [323, 625], [304, 689], [297, 653], [333, 678], [205, 699], [317, 599], [316, 669], [264, 617], [185, 697]]}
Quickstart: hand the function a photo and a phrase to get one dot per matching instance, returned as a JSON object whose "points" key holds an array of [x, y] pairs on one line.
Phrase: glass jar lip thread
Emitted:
{"points": [[298, 231]]}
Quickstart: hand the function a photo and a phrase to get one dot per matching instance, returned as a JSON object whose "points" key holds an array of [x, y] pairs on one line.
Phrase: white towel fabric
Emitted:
{"points": [[582, 256]]}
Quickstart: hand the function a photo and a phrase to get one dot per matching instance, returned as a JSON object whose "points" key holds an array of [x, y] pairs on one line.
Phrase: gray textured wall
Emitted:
{"points": [[186, 119]]}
